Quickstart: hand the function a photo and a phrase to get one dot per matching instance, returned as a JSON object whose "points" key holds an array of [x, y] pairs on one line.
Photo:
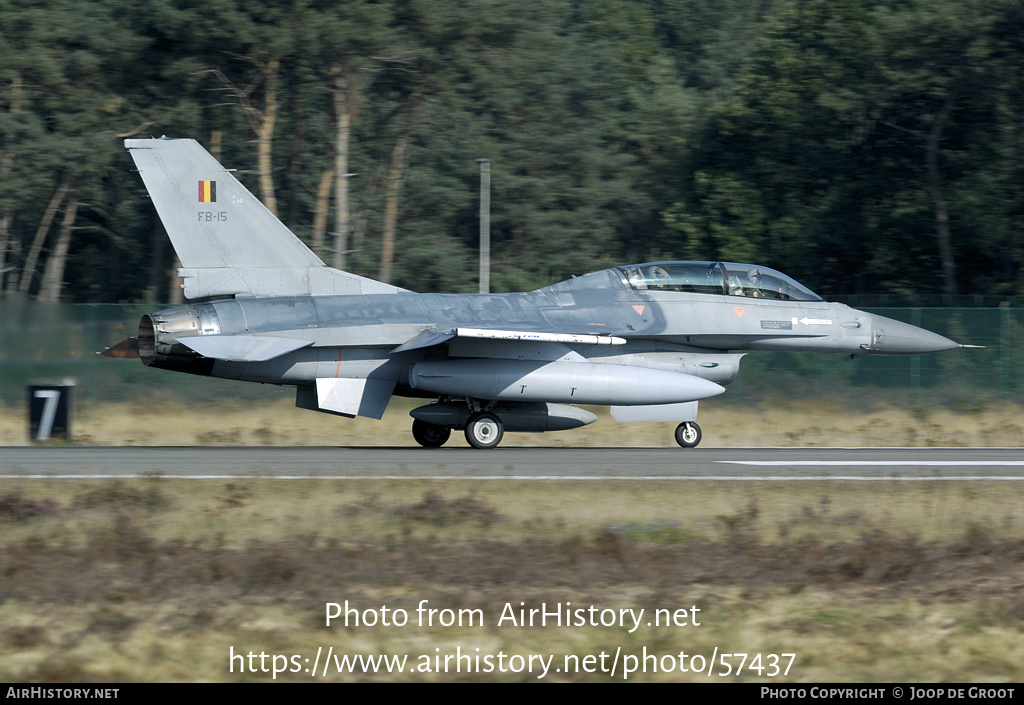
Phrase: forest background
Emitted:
{"points": [[858, 146]]}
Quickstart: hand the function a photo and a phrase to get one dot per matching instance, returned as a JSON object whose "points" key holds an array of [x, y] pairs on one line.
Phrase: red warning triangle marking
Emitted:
{"points": [[639, 309], [739, 310]]}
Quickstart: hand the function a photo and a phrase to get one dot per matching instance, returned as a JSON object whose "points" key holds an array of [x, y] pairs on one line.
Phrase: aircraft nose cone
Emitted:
{"points": [[889, 337]]}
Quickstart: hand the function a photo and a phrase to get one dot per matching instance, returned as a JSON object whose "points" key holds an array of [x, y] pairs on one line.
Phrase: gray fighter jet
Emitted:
{"points": [[648, 340]]}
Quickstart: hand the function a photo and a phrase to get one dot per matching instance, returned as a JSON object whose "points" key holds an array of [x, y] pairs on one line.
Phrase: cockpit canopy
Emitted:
{"points": [[721, 278]]}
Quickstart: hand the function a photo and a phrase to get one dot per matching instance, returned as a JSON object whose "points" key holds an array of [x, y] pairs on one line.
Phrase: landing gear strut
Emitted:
{"points": [[428, 435], [688, 434], [484, 430]]}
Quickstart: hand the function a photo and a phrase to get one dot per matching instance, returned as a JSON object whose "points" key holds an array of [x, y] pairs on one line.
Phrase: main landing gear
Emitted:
{"points": [[688, 434], [484, 430], [428, 435]]}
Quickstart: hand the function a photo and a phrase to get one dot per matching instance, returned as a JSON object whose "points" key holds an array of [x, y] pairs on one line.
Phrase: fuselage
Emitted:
{"points": [[676, 325], [648, 340]]}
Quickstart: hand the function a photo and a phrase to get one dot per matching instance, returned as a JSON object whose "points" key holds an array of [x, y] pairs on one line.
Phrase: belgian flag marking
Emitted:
{"points": [[207, 191]]}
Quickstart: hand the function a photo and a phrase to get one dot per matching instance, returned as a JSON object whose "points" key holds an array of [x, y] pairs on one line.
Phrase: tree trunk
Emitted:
{"points": [[265, 134], [6, 161], [157, 241], [41, 232], [293, 210], [5, 228], [343, 85], [261, 122], [216, 136], [943, 233], [323, 204], [5, 235], [175, 294], [53, 277], [394, 185]]}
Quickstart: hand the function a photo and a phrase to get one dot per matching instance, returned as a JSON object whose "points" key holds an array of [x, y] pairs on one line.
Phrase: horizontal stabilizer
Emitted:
{"points": [[242, 348]]}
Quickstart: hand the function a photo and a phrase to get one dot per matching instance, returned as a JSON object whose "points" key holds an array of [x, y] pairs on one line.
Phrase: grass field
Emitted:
{"points": [[776, 423], [156, 580], [161, 580]]}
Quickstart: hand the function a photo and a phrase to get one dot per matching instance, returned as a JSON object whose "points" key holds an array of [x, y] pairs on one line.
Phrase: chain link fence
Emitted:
{"points": [[46, 343]]}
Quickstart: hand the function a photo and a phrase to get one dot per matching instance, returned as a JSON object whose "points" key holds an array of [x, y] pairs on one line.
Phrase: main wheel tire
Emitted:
{"points": [[688, 434], [428, 435], [484, 430]]}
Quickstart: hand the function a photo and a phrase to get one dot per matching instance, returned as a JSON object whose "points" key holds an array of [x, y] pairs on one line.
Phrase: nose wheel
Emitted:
{"points": [[688, 434], [484, 430]]}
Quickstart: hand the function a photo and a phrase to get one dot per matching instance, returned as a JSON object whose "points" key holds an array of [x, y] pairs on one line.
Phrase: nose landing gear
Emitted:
{"points": [[688, 434]]}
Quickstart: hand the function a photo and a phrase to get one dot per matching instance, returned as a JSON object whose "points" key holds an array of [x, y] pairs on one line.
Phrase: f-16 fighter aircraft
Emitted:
{"points": [[648, 340]]}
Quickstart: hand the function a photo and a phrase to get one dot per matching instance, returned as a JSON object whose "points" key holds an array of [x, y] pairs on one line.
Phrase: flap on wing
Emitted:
{"points": [[242, 348]]}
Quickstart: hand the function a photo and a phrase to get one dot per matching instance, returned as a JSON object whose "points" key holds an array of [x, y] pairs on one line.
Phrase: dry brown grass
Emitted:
{"points": [[156, 580], [774, 424]]}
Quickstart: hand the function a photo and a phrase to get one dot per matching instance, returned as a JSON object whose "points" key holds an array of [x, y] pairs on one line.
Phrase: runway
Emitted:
{"points": [[537, 464]]}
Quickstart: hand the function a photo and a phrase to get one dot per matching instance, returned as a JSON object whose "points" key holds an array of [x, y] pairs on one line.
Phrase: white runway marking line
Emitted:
{"points": [[546, 478], [875, 463]]}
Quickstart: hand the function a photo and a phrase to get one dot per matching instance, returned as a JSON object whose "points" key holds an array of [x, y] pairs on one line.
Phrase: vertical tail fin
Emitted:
{"points": [[228, 242]]}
